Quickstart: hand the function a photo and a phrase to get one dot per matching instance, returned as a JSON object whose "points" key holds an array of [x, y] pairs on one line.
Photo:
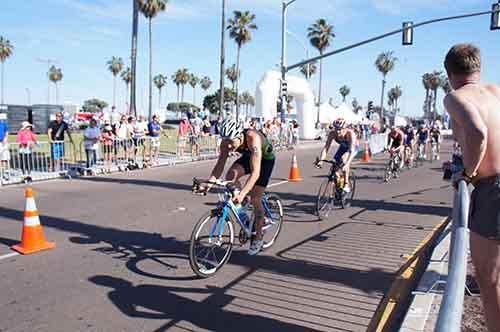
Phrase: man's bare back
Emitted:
{"points": [[485, 101]]}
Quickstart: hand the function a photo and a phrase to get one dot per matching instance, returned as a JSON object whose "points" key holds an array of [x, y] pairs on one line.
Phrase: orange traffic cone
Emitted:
{"points": [[294, 170], [32, 237], [366, 154]]}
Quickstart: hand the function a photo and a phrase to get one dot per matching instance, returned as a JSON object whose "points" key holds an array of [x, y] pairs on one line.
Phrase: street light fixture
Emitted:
{"points": [[495, 16], [407, 33]]}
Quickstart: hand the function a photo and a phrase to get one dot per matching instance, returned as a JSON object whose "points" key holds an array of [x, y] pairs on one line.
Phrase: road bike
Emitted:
{"points": [[434, 153], [331, 191], [420, 155], [393, 168], [213, 237]]}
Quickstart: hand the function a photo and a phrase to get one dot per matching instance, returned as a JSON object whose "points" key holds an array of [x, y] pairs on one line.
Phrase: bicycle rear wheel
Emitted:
{"points": [[388, 171], [274, 221], [207, 254], [325, 199], [348, 197]]}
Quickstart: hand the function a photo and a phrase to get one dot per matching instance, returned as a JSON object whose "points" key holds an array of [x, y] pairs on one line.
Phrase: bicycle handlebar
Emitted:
{"points": [[197, 183]]}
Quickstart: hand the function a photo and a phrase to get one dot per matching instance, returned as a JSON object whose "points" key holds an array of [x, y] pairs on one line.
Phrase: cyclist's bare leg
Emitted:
{"points": [[256, 198], [347, 168]]}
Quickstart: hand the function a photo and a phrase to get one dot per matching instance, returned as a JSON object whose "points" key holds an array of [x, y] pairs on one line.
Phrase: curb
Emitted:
{"points": [[406, 277]]}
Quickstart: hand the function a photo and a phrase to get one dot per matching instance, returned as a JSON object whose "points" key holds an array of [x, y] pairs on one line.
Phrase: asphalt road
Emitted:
{"points": [[122, 241]]}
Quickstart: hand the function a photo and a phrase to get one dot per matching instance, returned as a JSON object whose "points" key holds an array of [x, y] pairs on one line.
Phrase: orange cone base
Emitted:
{"points": [[32, 241], [294, 176]]}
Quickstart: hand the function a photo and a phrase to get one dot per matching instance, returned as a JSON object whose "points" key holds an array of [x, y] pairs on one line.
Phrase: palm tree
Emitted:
{"points": [[385, 63], [355, 106], [115, 66], [344, 92], [232, 75], [206, 83], [176, 79], [397, 93], [246, 100], [426, 81], [151, 8], [55, 75], [127, 78], [183, 77], [445, 85], [133, 56], [309, 69], [320, 35], [193, 81], [160, 81], [435, 83], [240, 29], [6, 50]]}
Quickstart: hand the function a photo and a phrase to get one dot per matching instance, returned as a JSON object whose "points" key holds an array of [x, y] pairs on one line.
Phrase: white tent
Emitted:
{"points": [[330, 113]]}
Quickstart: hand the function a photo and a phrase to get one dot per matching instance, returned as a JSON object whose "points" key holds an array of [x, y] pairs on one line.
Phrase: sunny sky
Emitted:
{"points": [[81, 35]]}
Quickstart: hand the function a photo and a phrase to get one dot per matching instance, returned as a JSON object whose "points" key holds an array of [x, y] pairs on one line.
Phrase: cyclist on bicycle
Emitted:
{"points": [[409, 143], [348, 148], [257, 160], [396, 139], [435, 134], [423, 138]]}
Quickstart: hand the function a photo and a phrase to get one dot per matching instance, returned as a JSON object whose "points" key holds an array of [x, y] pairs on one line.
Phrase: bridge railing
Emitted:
{"points": [[450, 313]]}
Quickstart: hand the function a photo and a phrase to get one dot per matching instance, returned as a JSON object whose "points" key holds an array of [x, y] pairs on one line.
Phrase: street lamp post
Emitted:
{"points": [[222, 59], [283, 92]]}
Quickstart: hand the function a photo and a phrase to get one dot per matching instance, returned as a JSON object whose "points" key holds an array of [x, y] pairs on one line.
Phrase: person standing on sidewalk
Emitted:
{"points": [[4, 148], [91, 138], [56, 131], [474, 108]]}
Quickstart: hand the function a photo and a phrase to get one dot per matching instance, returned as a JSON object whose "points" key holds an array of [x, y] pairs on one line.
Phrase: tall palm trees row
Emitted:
{"points": [[180, 78], [432, 82]]}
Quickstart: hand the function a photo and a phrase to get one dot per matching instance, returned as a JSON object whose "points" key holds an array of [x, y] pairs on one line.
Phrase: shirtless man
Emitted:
{"points": [[474, 108]]}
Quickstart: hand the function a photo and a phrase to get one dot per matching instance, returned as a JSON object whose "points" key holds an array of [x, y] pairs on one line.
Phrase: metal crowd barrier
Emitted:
{"points": [[450, 313], [196, 146], [41, 161]]}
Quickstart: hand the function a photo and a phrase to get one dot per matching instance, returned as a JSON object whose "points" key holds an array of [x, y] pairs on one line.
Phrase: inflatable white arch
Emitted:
{"points": [[267, 94]]}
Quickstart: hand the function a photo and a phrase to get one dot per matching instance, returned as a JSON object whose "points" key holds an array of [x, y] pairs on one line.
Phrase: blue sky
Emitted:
{"points": [[83, 34]]}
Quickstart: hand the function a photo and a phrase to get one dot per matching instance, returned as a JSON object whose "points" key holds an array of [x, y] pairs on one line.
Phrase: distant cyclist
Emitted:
{"points": [[396, 140], [423, 139], [409, 143], [348, 148], [257, 159], [435, 135]]}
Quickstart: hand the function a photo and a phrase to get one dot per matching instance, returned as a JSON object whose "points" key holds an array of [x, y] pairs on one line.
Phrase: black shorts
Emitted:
{"points": [[485, 208], [266, 169], [139, 141]]}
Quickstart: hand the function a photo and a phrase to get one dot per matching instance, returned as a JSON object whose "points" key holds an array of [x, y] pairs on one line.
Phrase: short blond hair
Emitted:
{"points": [[463, 59]]}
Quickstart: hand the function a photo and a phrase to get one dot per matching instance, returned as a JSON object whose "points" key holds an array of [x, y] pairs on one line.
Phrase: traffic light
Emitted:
{"points": [[370, 106], [407, 33], [284, 89], [495, 17]]}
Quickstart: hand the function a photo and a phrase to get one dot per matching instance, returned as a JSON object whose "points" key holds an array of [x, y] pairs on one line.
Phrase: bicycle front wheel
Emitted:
{"points": [[274, 220], [209, 252], [324, 202]]}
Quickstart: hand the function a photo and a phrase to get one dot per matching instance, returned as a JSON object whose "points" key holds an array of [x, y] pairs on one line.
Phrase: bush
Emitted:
{"points": [[182, 107]]}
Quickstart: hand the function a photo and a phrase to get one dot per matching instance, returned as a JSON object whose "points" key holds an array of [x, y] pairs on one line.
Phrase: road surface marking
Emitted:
{"points": [[9, 255], [277, 184]]}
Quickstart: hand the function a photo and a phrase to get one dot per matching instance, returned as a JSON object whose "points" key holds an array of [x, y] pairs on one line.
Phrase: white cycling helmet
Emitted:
{"points": [[230, 129], [339, 123]]}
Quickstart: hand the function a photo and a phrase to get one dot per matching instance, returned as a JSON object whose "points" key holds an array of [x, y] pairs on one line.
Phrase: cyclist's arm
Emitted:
{"points": [[352, 138], [255, 144], [327, 146], [219, 166]]}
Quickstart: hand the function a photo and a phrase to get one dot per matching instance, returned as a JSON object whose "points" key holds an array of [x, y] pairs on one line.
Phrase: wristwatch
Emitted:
{"points": [[468, 178]]}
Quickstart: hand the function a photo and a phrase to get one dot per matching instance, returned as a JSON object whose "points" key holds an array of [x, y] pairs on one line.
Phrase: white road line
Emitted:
{"points": [[9, 255], [277, 184]]}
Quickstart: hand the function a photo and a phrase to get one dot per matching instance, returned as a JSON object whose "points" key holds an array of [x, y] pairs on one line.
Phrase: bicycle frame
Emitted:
{"points": [[228, 206]]}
